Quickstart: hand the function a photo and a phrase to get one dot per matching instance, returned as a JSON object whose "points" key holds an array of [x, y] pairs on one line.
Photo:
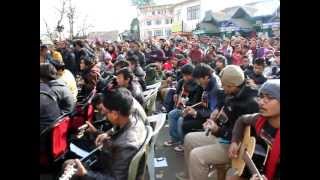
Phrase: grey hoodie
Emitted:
{"points": [[63, 95]]}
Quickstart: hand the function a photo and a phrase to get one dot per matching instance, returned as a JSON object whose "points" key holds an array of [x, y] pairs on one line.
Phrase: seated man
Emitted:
{"points": [[137, 70], [125, 78], [256, 77], [247, 67], [266, 127], [188, 93], [194, 117], [120, 64], [49, 108], [137, 110], [120, 148], [202, 151], [63, 95], [64, 74], [220, 63]]}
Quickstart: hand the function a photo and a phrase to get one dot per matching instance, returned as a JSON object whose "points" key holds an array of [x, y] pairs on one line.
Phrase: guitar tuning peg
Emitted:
{"points": [[212, 171]]}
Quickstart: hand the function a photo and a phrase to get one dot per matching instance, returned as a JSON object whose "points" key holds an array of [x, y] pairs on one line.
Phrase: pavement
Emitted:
{"points": [[175, 160]]}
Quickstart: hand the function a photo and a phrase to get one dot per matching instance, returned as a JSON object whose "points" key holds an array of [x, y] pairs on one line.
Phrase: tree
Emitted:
{"points": [[71, 17], [135, 29], [84, 28], [50, 34], [58, 29], [68, 8]]}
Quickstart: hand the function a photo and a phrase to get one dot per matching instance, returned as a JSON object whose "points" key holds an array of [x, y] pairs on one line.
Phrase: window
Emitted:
{"points": [[159, 12], [167, 21], [158, 22], [148, 23], [193, 12], [168, 32], [149, 33], [158, 32], [178, 15], [153, 12]]}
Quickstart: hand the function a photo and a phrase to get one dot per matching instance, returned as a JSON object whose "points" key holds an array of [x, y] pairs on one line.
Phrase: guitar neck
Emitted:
{"points": [[250, 164], [69, 172]]}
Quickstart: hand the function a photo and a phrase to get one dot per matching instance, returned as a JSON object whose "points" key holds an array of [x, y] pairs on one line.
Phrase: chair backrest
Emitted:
{"points": [[136, 160], [154, 86], [159, 121], [150, 102], [59, 137]]}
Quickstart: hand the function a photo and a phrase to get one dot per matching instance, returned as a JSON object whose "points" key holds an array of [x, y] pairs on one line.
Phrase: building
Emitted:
{"points": [[261, 17], [155, 20], [104, 36], [163, 18], [186, 17]]}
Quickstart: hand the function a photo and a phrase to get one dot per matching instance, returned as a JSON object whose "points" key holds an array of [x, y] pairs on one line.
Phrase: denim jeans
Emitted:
{"points": [[175, 120]]}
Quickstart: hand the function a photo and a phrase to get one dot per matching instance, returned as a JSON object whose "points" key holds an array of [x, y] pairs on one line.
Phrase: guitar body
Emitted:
{"points": [[247, 145]]}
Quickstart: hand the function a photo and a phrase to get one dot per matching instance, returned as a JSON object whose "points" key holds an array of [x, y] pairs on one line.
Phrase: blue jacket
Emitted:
{"points": [[210, 94]]}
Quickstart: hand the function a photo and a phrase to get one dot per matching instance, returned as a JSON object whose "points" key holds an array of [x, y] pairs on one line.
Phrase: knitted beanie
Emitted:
{"points": [[272, 88], [232, 75]]}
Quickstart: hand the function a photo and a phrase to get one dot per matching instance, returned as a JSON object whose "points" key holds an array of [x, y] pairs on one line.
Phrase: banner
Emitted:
{"points": [[176, 27]]}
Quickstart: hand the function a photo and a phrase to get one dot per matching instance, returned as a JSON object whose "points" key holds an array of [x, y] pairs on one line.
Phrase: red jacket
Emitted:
{"points": [[237, 59], [196, 55], [167, 66]]}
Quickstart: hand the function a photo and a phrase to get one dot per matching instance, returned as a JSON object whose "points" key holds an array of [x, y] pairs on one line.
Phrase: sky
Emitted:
{"points": [[108, 15], [104, 15]]}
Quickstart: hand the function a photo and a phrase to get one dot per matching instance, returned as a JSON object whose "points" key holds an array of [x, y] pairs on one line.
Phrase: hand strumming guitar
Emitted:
{"points": [[81, 170], [101, 138], [233, 150], [210, 124], [189, 111]]}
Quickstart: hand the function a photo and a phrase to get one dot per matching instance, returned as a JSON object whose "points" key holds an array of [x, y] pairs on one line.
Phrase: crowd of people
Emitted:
{"points": [[215, 85]]}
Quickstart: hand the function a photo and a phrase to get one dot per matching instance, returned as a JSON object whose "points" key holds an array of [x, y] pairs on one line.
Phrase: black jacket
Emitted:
{"points": [[140, 74], [142, 59], [234, 106], [78, 54], [258, 79], [210, 95], [195, 91], [119, 152], [137, 91], [49, 109], [69, 59]]}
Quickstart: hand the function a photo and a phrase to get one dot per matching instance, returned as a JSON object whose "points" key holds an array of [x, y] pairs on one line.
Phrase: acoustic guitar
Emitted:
{"points": [[247, 148]]}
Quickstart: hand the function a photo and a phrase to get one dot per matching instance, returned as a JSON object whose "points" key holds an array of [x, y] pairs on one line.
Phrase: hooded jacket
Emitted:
{"points": [[49, 109], [63, 95], [210, 94]]}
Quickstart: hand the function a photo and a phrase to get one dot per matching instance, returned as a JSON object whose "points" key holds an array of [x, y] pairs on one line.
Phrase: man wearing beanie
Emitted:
{"points": [[236, 99], [266, 127]]}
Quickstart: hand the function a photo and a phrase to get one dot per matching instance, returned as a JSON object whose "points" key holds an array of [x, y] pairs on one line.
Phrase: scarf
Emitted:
{"points": [[272, 159]]}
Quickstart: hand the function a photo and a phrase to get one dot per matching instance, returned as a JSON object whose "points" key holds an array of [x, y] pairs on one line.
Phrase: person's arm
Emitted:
{"points": [[241, 123], [68, 100], [119, 168]]}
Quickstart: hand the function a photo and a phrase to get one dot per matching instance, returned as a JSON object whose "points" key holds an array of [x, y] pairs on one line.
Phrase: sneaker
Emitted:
{"points": [[181, 176], [169, 143], [179, 148]]}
